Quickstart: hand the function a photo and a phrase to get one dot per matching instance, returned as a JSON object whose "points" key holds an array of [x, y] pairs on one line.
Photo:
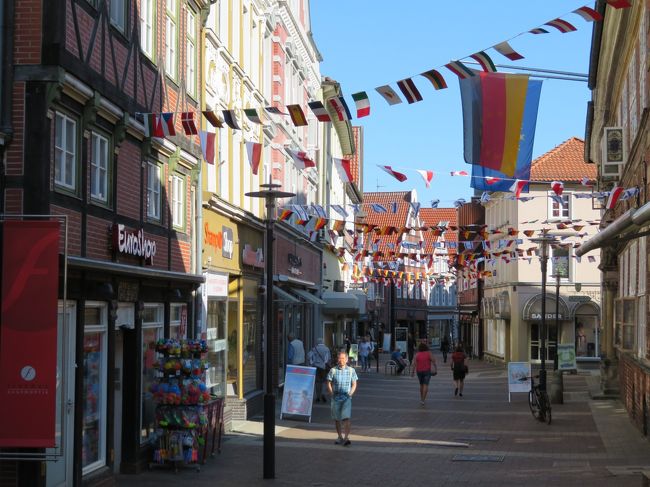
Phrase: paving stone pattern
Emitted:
{"points": [[397, 442]]}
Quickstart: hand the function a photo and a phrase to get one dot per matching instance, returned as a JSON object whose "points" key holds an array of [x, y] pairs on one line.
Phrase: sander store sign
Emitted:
{"points": [[133, 243], [220, 240]]}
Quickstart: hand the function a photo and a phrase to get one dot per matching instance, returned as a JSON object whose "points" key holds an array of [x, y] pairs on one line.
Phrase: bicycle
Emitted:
{"points": [[538, 401]]}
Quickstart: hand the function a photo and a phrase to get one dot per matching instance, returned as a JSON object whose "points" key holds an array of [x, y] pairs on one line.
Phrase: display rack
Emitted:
{"points": [[182, 401]]}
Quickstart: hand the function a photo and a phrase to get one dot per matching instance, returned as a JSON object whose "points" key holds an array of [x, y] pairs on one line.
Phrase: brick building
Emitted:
{"points": [[76, 76]]}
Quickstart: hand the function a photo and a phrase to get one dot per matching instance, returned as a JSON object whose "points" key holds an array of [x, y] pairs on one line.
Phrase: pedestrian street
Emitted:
{"points": [[479, 439]]}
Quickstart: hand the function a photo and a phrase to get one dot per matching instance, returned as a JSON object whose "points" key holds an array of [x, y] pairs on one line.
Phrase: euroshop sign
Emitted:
{"points": [[133, 243]]}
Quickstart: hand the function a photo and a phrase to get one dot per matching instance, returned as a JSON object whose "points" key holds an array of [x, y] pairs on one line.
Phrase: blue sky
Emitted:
{"points": [[370, 43]]}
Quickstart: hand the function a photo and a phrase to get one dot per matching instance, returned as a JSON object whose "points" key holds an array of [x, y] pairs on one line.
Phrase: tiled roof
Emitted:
{"points": [[432, 217], [563, 163], [397, 219]]}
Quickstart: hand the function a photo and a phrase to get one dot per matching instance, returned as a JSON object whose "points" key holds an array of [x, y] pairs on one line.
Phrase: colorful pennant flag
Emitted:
{"points": [[362, 103], [300, 159], [589, 14], [251, 114], [320, 223], [416, 208], [485, 61], [207, 140], [297, 115], [561, 25], [629, 193], [585, 181], [231, 119], [285, 214], [435, 203], [499, 118], [377, 208], [517, 187], [485, 197], [460, 70], [619, 3], [345, 170], [557, 187], [409, 90], [538, 30], [153, 125], [319, 111], [341, 108], [254, 151], [490, 180], [436, 79], [426, 175], [275, 111], [459, 173], [389, 95], [211, 117], [614, 196], [168, 124], [397, 175], [187, 119], [505, 49]]}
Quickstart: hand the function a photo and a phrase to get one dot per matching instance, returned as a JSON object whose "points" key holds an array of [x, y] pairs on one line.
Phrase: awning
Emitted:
{"points": [[133, 271], [340, 303], [307, 296], [629, 221], [284, 296]]}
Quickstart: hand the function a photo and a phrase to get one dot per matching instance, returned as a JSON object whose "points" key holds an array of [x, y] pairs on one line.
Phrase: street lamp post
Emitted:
{"points": [[270, 193], [557, 315], [543, 241]]}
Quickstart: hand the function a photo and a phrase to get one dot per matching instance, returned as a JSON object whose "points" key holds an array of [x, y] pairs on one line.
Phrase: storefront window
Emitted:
{"points": [[217, 346], [233, 334], [93, 436], [178, 322], [152, 331], [251, 346], [587, 334]]}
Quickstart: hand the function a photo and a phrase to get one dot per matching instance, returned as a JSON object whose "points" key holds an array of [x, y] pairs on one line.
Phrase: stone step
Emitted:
{"points": [[576, 396]]}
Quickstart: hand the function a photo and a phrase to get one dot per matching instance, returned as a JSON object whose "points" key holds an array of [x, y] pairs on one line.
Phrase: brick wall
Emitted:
{"points": [[28, 34], [635, 392]]}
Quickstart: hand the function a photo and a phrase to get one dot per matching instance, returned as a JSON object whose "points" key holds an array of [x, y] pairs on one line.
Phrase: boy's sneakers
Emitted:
{"points": [[339, 441], [347, 443]]}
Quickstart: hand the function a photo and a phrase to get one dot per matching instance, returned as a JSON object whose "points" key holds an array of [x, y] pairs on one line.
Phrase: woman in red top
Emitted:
{"points": [[459, 368], [425, 366]]}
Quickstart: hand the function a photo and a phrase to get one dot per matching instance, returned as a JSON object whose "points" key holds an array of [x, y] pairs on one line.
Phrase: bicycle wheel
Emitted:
{"points": [[533, 403], [545, 404]]}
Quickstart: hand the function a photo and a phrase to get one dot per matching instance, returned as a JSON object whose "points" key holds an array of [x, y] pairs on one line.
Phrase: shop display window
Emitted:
{"points": [[152, 331], [93, 436], [217, 346], [178, 321], [233, 334], [251, 346]]}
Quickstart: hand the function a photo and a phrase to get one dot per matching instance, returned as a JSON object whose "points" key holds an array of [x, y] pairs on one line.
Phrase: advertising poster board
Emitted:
{"points": [[517, 371], [401, 339], [28, 334], [354, 352], [298, 395], [386, 345], [566, 355]]}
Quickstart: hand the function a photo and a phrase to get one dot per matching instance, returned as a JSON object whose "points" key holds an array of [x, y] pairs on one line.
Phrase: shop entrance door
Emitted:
{"points": [[59, 473]]}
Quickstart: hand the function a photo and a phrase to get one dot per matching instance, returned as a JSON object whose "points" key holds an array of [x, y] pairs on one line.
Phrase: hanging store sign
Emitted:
{"points": [[28, 334], [252, 257], [133, 243]]}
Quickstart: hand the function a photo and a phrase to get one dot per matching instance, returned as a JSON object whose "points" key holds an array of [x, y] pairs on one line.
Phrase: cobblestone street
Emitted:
{"points": [[479, 439]]}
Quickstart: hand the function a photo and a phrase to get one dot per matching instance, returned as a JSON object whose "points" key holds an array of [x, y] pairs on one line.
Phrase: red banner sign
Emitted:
{"points": [[28, 333]]}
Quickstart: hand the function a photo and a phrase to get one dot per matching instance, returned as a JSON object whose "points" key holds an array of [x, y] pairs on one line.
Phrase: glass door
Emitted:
{"points": [[59, 473]]}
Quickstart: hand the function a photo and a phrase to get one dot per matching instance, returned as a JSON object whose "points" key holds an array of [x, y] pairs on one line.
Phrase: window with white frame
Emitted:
{"points": [[178, 200], [147, 26], [95, 386], [152, 331], [118, 14], [560, 260], [65, 152], [191, 53], [153, 191], [178, 321], [557, 210], [99, 168], [171, 38]]}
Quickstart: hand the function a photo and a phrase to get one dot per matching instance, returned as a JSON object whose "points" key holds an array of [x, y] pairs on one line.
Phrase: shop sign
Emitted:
{"points": [[28, 334], [579, 299], [295, 262], [216, 284], [133, 243], [549, 316], [252, 257], [222, 240]]}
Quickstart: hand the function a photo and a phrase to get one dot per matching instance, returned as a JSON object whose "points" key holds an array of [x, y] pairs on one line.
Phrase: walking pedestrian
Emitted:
{"points": [[425, 366], [444, 347], [341, 384], [320, 357], [410, 347], [295, 350], [459, 367], [365, 347]]}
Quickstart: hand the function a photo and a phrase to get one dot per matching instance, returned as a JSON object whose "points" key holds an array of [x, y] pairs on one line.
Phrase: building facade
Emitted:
{"points": [[512, 298], [76, 148], [617, 143]]}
